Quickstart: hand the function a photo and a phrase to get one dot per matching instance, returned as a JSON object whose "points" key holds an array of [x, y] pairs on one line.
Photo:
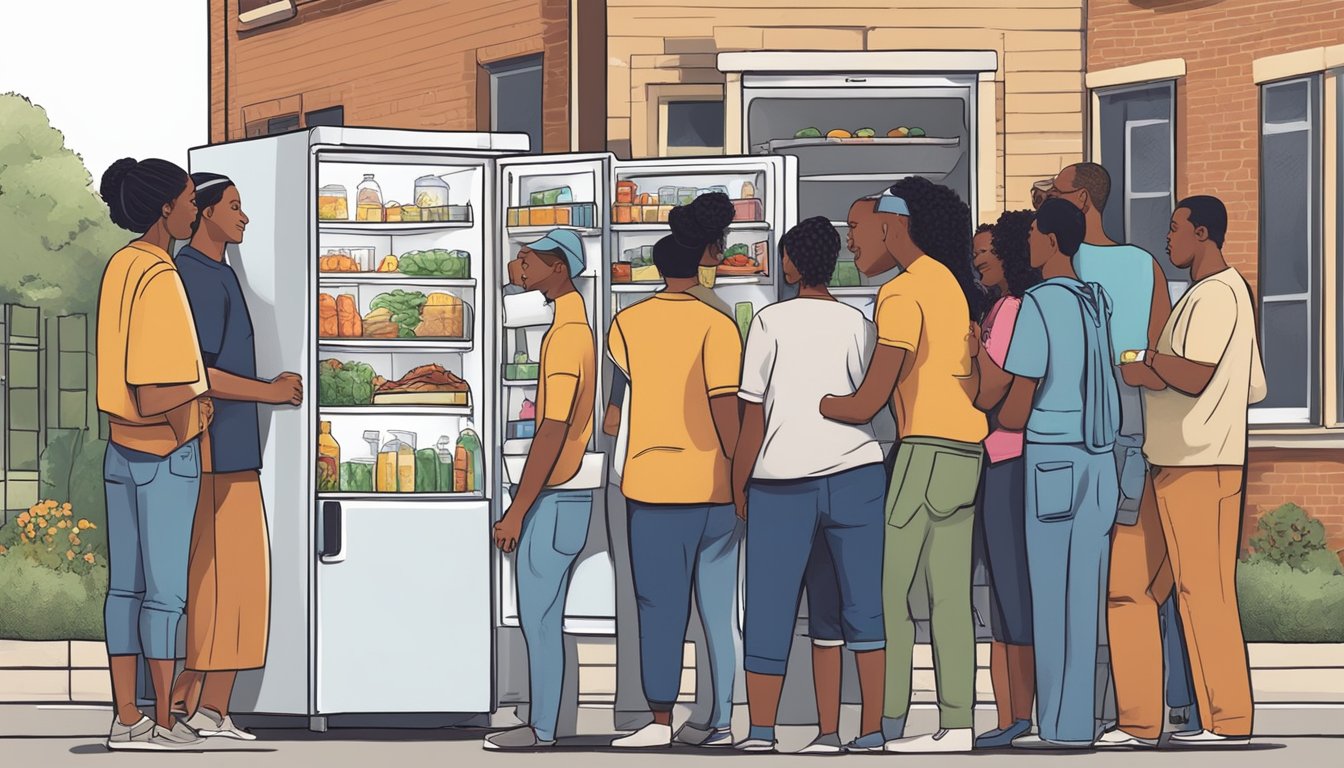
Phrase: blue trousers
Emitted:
{"points": [[827, 531], [1071, 497], [151, 502], [554, 533], [675, 548]]}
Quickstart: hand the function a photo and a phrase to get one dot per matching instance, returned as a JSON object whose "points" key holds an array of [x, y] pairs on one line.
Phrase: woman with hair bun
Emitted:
{"points": [[151, 386], [228, 594], [682, 359]]}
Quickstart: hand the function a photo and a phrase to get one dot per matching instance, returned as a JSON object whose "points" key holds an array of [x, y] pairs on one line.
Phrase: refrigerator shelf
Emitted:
{"points": [[886, 178], [721, 280], [361, 278], [855, 290], [516, 232], [396, 410], [909, 141], [520, 383], [399, 345], [398, 497], [394, 228], [739, 225]]}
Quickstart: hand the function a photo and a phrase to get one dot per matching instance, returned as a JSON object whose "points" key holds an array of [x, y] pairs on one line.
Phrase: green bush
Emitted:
{"points": [[42, 603], [1289, 535], [1282, 604]]}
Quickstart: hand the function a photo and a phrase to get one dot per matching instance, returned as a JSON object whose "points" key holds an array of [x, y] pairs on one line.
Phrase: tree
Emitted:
{"points": [[55, 234]]}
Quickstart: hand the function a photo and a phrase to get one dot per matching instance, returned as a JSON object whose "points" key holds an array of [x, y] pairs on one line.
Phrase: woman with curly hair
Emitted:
{"points": [[922, 365], [1003, 259], [683, 360], [814, 488]]}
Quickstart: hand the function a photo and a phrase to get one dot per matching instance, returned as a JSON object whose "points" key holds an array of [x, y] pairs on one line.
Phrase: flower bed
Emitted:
{"points": [[53, 568]]}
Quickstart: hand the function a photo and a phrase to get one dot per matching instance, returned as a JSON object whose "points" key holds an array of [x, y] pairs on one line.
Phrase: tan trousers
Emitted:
{"points": [[1187, 537], [229, 576]]}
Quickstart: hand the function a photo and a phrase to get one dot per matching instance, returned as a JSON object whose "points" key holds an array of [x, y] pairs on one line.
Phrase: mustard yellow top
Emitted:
{"points": [[568, 383], [146, 336], [923, 311], [678, 352]]}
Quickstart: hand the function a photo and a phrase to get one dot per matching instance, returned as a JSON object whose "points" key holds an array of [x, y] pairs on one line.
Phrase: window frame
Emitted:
{"points": [[663, 94], [1310, 415], [1127, 196], [532, 62]]}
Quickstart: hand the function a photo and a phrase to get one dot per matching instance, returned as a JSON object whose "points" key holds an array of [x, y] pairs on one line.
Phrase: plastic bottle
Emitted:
{"points": [[468, 466], [446, 482], [328, 459]]}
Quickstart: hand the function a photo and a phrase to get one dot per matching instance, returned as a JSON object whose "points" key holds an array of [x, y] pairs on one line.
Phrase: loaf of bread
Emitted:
{"points": [[327, 327], [348, 323]]}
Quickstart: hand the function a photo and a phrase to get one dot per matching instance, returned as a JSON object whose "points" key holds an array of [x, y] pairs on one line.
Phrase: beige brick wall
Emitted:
{"points": [[1038, 86]]}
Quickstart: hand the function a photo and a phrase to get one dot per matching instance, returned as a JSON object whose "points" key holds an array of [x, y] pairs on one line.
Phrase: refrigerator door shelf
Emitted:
{"points": [[521, 232], [405, 228], [592, 472], [720, 281], [398, 345], [397, 410], [651, 227], [520, 383]]}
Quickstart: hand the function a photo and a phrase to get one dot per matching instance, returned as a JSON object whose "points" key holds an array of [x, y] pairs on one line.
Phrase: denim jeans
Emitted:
{"points": [[151, 502], [554, 533], [674, 548]]}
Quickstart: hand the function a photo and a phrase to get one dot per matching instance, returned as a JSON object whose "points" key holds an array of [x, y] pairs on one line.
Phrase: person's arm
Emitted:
{"points": [[750, 438], [1160, 311], [1199, 342], [285, 388], [872, 394], [163, 356], [611, 424], [1016, 408], [157, 399], [723, 374], [1185, 376], [1026, 364]]}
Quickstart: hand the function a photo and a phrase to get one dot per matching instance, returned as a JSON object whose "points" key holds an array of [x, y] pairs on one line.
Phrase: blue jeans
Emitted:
{"points": [[1071, 504], [554, 533], [825, 530], [151, 502], [674, 547]]}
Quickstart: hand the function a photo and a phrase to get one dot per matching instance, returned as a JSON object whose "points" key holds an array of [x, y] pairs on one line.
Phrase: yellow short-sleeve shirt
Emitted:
{"points": [[678, 353], [568, 383], [146, 336], [923, 311]]}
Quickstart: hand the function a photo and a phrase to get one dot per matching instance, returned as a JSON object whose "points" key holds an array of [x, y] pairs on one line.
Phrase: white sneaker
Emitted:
{"points": [[209, 723], [1118, 739], [945, 740], [130, 737], [754, 745], [651, 736], [136, 738], [1207, 739]]}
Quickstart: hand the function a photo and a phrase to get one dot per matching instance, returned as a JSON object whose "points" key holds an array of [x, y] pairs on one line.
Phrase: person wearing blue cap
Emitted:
{"points": [[545, 525]]}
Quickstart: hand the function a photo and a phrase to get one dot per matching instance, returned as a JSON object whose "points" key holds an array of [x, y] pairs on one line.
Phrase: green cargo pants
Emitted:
{"points": [[930, 516]]}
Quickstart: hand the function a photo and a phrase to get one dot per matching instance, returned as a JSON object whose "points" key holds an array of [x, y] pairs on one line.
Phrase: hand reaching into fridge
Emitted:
{"points": [[287, 388], [508, 530]]}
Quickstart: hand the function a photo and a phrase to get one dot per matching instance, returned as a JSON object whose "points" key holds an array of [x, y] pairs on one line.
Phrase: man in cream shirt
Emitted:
{"points": [[1200, 382]]}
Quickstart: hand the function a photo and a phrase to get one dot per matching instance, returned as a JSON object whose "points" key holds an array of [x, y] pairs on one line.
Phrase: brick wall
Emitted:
{"points": [[405, 64], [1038, 85], [1217, 153]]}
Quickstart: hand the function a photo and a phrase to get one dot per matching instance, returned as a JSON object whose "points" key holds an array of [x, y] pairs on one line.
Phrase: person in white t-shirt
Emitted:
{"points": [[811, 490]]}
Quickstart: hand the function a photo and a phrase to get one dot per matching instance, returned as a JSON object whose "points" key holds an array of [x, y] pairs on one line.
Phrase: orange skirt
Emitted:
{"points": [[229, 576]]}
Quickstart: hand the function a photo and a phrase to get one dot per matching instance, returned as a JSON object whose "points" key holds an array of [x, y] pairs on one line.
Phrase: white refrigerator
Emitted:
{"points": [[387, 595]]}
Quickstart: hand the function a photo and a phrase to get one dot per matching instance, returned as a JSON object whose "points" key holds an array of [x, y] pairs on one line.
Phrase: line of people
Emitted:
{"points": [[1054, 414]]}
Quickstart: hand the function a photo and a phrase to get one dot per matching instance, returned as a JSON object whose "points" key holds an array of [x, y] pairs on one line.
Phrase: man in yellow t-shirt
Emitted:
{"points": [[922, 364], [683, 361], [546, 524]]}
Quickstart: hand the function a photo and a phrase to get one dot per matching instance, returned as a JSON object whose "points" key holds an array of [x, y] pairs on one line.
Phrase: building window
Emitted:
{"points": [[686, 120], [334, 116], [1137, 136], [515, 98], [1290, 250], [282, 124], [1339, 247]]}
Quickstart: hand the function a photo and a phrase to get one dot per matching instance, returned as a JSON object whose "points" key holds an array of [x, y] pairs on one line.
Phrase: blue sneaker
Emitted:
{"points": [[1002, 738], [873, 742]]}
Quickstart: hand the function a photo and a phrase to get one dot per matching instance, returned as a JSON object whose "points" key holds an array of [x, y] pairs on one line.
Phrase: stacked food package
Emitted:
{"points": [[550, 208], [436, 262], [344, 384], [396, 314], [635, 207], [430, 195]]}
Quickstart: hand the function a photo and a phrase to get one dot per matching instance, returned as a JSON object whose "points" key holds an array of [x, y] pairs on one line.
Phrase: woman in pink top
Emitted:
{"points": [[1004, 264]]}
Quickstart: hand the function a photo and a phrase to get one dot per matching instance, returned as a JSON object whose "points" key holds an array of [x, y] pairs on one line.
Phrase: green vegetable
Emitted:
{"points": [[405, 307], [739, 248], [344, 383], [436, 263], [808, 133], [865, 133], [916, 132]]}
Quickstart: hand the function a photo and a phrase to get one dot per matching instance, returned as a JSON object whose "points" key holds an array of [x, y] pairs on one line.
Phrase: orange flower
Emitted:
{"points": [[29, 530], [50, 504], [89, 558], [74, 538], [69, 554], [62, 524], [24, 518], [84, 525], [51, 531], [41, 522], [4, 549]]}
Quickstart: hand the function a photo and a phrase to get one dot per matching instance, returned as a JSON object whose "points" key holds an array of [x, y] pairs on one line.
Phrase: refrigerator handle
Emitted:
{"points": [[332, 549]]}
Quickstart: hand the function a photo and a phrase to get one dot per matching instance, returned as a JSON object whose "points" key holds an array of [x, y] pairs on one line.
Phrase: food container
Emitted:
{"points": [[543, 216], [625, 192], [646, 274], [392, 212], [748, 210], [445, 449], [665, 213], [721, 189], [459, 213], [748, 191], [520, 430], [410, 213], [650, 214], [667, 195], [646, 199], [742, 312], [328, 459], [363, 256], [426, 471], [333, 203], [551, 196], [368, 200], [620, 272], [621, 213], [685, 195], [846, 274], [564, 215], [431, 192]]}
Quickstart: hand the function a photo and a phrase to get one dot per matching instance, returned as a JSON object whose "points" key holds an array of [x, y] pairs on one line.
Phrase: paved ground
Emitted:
{"points": [[50, 743]]}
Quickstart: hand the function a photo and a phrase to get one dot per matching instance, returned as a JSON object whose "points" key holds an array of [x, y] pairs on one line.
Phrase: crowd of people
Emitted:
{"points": [[1056, 420]]}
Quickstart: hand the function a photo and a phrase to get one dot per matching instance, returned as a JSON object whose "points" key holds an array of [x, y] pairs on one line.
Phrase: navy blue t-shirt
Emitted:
{"points": [[224, 329]]}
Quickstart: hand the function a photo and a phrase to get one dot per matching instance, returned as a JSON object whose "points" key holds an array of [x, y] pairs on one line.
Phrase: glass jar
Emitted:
{"points": [[368, 200], [431, 197], [333, 204], [396, 463]]}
